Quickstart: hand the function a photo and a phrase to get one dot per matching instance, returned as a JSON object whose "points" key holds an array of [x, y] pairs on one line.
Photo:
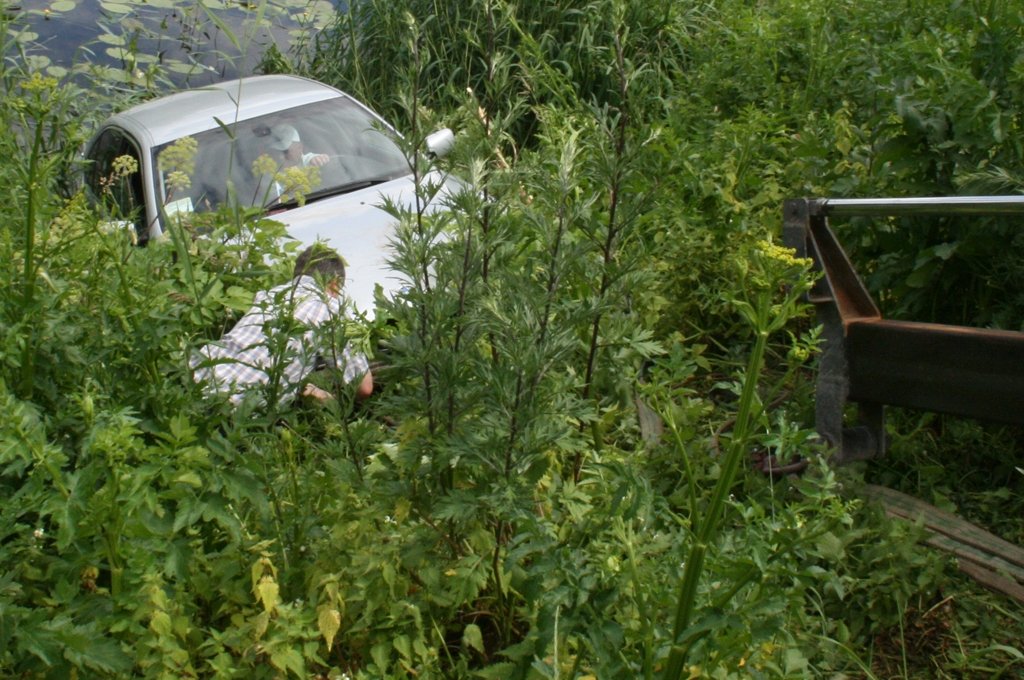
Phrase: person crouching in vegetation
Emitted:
{"points": [[281, 340]]}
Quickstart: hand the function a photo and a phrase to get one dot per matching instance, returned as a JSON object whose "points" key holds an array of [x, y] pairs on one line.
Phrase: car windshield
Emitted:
{"points": [[318, 149]]}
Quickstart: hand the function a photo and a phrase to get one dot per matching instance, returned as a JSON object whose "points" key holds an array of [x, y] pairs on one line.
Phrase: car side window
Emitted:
{"points": [[119, 192]]}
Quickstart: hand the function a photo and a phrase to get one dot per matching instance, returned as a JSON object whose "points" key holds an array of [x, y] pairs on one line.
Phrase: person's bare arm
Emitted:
{"points": [[311, 390], [365, 388]]}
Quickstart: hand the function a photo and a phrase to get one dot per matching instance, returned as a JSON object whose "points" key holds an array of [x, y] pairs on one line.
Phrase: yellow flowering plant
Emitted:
{"points": [[772, 283], [293, 182]]}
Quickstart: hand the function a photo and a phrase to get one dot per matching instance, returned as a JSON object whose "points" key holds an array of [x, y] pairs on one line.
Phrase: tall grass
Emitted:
{"points": [[504, 506]]}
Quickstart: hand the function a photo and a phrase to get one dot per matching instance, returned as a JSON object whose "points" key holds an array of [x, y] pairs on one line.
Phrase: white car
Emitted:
{"points": [[320, 161]]}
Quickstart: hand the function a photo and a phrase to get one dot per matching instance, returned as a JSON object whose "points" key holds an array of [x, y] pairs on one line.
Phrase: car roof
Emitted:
{"points": [[173, 116]]}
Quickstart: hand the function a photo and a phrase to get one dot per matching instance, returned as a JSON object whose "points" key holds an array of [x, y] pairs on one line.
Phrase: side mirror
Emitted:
{"points": [[440, 143]]}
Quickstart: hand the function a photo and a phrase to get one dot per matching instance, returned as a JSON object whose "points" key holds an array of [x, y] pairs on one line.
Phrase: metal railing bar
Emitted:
{"points": [[931, 205]]}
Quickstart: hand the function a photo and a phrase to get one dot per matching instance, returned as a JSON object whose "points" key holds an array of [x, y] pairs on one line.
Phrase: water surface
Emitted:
{"points": [[185, 43]]}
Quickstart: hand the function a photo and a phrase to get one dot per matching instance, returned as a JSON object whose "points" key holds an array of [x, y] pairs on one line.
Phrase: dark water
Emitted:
{"points": [[177, 40]]}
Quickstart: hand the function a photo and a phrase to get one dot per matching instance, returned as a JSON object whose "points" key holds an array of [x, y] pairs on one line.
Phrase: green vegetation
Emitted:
{"points": [[507, 506]]}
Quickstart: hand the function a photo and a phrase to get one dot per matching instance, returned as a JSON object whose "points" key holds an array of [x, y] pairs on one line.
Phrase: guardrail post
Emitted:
{"points": [[866, 438], [795, 225], [802, 218]]}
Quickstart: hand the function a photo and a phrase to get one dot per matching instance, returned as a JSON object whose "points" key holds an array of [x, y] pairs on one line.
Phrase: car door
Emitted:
{"points": [[119, 193]]}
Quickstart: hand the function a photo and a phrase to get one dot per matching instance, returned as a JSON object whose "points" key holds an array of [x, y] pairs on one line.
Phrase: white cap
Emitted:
{"points": [[283, 136]]}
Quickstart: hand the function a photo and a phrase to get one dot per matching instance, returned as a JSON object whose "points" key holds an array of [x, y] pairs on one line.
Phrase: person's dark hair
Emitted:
{"points": [[320, 262]]}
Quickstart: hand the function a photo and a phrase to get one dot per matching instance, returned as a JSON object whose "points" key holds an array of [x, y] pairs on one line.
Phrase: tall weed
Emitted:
{"points": [[504, 507]]}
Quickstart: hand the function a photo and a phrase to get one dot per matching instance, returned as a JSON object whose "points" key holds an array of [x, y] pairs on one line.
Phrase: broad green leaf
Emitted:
{"points": [[260, 624], [190, 478], [269, 593], [329, 621], [830, 545], [87, 646], [23, 36], [379, 652], [160, 624], [111, 39], [795, 661], [945, 250], [403, 646], [498, 671], [181, 67], [117, 53], [473, 638], [116, 7], [289, 659], [39, 642], [922, 276]]}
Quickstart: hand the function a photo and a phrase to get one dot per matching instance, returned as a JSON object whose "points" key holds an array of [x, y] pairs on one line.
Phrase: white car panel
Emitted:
{"points": [[236, 123]]}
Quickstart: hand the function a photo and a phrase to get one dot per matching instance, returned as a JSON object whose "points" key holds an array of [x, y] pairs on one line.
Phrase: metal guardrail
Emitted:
{"points": [[876, 362], [953, 205]]}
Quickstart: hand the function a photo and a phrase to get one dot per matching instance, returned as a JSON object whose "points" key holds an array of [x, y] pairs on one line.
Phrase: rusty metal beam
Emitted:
{"points": [[971, 372], [845, 289]]}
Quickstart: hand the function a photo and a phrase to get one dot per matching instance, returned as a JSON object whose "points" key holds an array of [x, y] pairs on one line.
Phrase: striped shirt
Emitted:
{"points": [[284, 334]]}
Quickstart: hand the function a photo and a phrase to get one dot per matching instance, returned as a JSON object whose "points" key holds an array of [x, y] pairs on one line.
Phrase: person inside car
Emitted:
{"points": [[284, 139]]}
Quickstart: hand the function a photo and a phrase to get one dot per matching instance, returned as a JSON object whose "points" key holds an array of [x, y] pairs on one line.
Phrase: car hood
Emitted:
{"points": [[355, 225]]}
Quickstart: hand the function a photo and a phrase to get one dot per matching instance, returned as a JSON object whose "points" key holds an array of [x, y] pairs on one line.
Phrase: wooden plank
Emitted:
{"points": [[965, 552], [988, 559], [992, 580], [946, 523]]}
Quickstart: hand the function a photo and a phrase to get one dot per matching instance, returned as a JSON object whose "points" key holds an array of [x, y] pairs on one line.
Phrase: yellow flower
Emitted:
{"points": [[39, 83], [799, 353], [124, 166], [178, 180], [783, 256], [264, 165], [180, 156], [298, 182]]}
